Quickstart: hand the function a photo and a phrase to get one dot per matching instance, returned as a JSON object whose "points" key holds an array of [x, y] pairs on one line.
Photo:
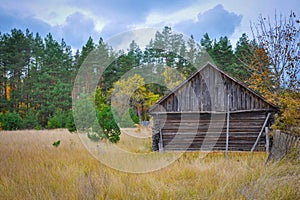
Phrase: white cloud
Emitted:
{"points": [[140, 36], [187, 13]]}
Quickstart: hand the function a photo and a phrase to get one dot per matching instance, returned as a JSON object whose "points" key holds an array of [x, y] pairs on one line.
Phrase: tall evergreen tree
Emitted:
{"points": [[242, 57], [15, 60], [223, 54]]}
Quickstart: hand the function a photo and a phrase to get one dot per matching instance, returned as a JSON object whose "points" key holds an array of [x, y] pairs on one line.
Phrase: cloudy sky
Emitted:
{"points": [[75, 21]]}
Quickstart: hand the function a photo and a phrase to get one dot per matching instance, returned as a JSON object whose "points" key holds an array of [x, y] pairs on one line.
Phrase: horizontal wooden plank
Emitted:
{"points": [[209, 149], [191, 115], [218, 122], [249, 146], [214, 118], [200, 138], [207, 142], [207, 131], [210, 145], [211, 126], [208, 134]]}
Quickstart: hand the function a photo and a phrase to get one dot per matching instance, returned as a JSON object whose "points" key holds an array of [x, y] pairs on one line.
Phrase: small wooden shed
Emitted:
{"points": [[194, 116]]}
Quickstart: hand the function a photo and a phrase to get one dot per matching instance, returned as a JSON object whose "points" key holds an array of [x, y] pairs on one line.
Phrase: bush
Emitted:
{"points": [[11, 121], [133, 116], [30, 120], [58, 120], [109, 128], [103, 126], [70, 124]]}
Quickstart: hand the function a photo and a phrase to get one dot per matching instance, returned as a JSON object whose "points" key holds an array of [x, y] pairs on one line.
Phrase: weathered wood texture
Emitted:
{"points": [[207, 131], [283, 144], [193, 115], [207, 90]]}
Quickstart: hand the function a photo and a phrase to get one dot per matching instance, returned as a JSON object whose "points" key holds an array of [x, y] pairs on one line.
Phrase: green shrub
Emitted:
{"points": [[108, 127], [103, 126], [58, 120], [30, 120], [133, 116], [11, 121], [70, 124], [38, 127]]}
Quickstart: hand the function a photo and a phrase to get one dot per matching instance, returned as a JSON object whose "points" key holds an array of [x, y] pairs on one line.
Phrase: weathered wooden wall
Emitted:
{"points": [[207, 131], [207, 91], [193, 116]]}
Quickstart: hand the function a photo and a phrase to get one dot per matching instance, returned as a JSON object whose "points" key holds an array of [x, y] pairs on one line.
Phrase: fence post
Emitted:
{"points": [[267, 140], [227, 128], [160, 144]]}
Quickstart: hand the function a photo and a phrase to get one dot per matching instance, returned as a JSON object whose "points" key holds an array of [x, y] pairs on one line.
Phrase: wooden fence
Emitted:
{"points": [[283, 144]]}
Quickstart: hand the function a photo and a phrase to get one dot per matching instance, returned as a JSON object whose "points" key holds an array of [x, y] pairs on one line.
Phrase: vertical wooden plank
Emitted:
{"points": [[244, 100], [255, 102], [203, 92], [199, 92], [267, 140], [227, 127], [204, 99], [234, 105], [183, 98], [192, 96], [247, 101], [160, 144], [189, 95], [192, 107], [175, 107], [180, 100], [188, 98], [213, 89], [238, 94], [250, 102]]}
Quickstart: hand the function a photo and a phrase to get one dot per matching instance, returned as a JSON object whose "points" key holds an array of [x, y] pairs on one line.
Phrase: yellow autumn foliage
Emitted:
{"points": [[289, 117], [172, 77], [262, 81]]}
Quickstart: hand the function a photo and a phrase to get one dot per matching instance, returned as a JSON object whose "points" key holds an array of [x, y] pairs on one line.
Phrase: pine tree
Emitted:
{"points": [[242, 58]]}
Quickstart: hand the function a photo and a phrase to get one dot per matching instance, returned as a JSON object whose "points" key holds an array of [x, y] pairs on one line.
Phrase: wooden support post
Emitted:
{"points": [[267, 140], [160, 144], [227, 128], [261, 131]]}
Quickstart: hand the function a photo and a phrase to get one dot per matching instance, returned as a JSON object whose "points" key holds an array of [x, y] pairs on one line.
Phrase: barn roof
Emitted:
{"points": [[208, 64]]}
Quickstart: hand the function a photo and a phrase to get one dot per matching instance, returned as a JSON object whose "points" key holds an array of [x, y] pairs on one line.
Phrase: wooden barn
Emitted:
{"points": [[194, 116]]}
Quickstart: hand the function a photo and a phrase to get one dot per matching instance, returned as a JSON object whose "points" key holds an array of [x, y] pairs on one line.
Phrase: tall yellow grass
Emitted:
{"points": [[31, 168]]}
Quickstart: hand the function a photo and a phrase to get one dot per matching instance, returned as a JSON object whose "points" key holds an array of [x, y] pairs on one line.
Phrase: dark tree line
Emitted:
{"points": [[37, 74]]}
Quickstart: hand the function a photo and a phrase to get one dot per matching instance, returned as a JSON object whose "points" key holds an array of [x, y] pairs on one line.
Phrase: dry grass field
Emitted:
{"points": [[32, 168]]}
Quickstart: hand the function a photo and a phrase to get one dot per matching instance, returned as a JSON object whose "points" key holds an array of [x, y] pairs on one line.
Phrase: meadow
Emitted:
{"points": [[32, 168]]}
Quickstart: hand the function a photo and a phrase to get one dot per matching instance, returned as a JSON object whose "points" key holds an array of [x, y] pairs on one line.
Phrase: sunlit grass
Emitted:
{"points": [[32, 168]]}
